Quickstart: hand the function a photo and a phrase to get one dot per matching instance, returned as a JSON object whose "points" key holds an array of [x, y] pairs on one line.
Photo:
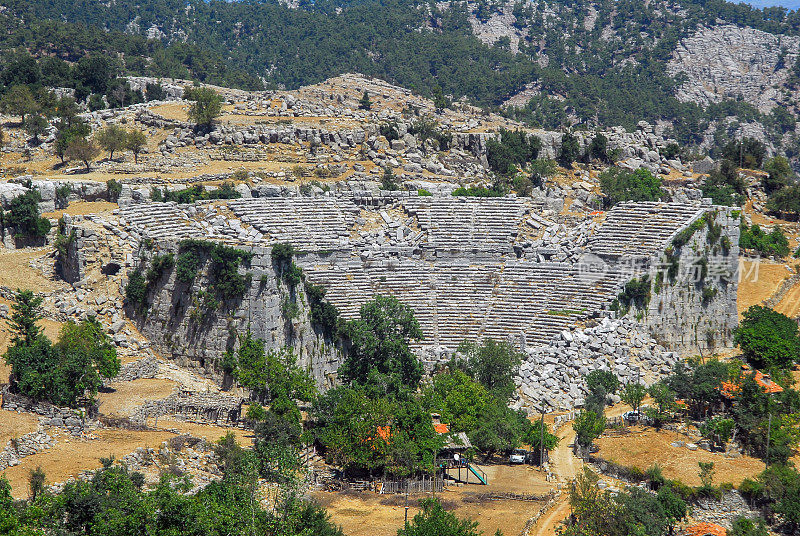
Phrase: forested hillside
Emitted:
{"points": [[595, 62]]}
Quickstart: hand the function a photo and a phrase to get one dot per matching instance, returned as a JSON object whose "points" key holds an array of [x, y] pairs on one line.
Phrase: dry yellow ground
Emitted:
{"points": [[173, 110], [645, 447], [70, 456], [758, 285], [80, 208], [208, 432], [370, 514], [790, 304], [124, 397], [13, 425], [15, 271]]}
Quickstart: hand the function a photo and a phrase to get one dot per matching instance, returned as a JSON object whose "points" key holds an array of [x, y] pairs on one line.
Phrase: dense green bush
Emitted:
{"points": [[768, 338], [512, 151], [774, 243], [23, 216], [619, 184], [198, 193], [113, 190], [323, 313], [480, 191], [724, 185], [749, 152], [136, 289], [636, 293], [191, 256], [786, 200], [62, 373]]}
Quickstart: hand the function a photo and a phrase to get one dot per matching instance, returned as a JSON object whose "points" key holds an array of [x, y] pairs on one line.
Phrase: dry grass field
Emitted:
{"points": [[69, 456], [643, 447], [759, 282], [13, 425], [370, 514]]}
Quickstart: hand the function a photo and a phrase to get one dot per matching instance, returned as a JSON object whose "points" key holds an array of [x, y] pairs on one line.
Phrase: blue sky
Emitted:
{"points": [[789, 4]]}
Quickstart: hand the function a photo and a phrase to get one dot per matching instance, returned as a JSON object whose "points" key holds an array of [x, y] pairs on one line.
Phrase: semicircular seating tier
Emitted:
{"points": [[308, 223], [460, 271], [641, 229], [161, 221], [525, 300]]}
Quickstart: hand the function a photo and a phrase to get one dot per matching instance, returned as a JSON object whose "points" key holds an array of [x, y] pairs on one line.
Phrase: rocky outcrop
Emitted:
{"points": [[23, 446], [729, 61], [183, 327]]}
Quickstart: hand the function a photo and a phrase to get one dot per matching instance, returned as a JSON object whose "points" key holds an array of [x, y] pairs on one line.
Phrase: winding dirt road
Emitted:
{"points": [[565, 465]]}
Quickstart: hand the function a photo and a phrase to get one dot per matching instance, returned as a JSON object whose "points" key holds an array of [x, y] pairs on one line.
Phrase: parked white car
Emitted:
{"points": [[517, 456]]}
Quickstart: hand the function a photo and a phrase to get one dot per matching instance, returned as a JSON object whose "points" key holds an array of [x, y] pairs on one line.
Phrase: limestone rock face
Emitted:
{"points": [[728, 61]]}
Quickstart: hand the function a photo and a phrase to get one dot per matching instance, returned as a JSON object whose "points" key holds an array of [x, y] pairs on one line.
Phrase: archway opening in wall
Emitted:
{"points": [[112, 268]]}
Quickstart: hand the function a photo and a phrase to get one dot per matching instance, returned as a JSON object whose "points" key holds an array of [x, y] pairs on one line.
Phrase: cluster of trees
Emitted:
{"points": [[195, 193], [618, 184], [769, 244], [725, 397], [379, 420], [587, 77], [725, 186], [64, 373], [115, 502], [58, 48], [512, 151], [24, 217], [782, 187], [632, 511], [72, 142]]}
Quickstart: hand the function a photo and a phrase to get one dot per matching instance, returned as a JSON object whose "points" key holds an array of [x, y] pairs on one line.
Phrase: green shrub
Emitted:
{"points": [[636, 293], [62, 192], [196, 193], [24, 216], [159, 265], [323, 313], [619, 185], [786, 200], [224, 271], [191, 256], [513, 150], [136, 289], [480, 191], [113, 190], [422, 192], [709, 293], [282, 253], [774, 243]]}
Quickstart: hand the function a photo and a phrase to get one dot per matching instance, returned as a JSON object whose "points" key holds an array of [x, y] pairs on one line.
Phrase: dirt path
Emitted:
{"points": [[566, 466]]}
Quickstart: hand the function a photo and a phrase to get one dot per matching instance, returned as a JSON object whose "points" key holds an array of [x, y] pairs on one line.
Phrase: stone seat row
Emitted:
{"points": [[641, 228], [454, 302]]}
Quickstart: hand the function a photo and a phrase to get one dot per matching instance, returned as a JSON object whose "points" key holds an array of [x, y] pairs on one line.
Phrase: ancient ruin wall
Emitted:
{"points": [[181, 329], [697, 312]]}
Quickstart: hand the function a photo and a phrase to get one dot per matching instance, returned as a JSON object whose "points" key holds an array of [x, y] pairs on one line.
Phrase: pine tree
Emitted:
{"points": [[365, 103]]}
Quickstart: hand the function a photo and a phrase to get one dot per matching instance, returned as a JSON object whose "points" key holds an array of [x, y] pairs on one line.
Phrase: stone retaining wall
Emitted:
{"points": [[74, 421], [27, 445]]}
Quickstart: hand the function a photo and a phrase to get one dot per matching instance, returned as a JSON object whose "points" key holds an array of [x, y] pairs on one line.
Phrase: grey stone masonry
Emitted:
{"points": [[471, 268]]}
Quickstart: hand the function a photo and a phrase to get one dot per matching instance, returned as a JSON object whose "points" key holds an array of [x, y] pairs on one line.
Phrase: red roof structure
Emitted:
{"points": [[705, 529], [731, 389]]}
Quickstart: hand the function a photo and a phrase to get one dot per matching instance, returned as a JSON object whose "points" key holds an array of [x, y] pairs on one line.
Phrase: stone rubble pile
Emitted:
{"points": [[23, 446], [553, 376]]}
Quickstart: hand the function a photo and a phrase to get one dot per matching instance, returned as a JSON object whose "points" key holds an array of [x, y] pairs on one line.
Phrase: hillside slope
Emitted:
{"points": [[698, 68]]}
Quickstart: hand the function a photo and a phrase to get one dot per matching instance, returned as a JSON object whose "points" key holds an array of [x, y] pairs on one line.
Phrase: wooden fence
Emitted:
{"points": [[425, 485]]}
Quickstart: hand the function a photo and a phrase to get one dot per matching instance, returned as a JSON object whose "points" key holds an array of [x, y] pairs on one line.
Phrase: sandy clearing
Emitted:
{"points": [[643, 447], [69, 457]]}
